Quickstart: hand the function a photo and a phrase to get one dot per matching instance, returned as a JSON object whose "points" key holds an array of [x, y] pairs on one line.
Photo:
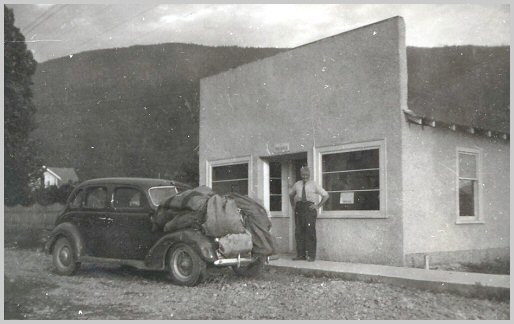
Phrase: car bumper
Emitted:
{"points": [[233, 261]]}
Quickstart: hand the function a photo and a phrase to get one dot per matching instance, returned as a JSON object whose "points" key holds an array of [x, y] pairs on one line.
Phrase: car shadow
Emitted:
{"points": [[214, 275]]}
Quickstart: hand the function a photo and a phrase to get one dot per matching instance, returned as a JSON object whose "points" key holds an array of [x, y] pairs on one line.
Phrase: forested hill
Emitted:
{"points": [[466, 85], [134, 111], [128, 111]]}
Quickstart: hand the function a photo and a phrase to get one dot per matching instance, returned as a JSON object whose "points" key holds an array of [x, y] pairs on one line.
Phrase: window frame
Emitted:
{"points": [[352, 147], [150, 200], [476, 219], [228, 162], [281, 195]]}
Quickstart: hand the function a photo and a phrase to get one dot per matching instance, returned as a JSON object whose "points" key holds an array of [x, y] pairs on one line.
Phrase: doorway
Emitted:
{"points": [[284, 171]]}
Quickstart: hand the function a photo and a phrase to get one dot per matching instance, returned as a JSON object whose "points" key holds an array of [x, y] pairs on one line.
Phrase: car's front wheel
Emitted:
{"points": [[186, 268], [64, 259]]}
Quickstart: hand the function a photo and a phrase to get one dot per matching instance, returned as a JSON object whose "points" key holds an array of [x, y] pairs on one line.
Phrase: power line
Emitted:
{"points": [[46, 12], [46, 18], [59, 35]]}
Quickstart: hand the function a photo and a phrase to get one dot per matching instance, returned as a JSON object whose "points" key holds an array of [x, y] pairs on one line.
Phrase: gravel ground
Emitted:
{"points": [[33, 291]]}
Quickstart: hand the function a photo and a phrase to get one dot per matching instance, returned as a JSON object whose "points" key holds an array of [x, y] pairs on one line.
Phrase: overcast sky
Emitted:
{"points": [[57, 30]]}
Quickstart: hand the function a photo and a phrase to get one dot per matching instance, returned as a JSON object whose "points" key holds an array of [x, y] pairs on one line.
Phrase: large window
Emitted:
{"points": [[230, 178], [468, 182], [354, 176], [352, 180], [275, 186]]}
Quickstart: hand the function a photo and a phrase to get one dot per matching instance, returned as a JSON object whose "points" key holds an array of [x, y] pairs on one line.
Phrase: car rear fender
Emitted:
{"points": [[205, 247], [69, 231]]}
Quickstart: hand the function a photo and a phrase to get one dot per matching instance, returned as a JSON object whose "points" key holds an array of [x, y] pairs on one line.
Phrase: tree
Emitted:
{"points": [[22, 166], [188, 172]]}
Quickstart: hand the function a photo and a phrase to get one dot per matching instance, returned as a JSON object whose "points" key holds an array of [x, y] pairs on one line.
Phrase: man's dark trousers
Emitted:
{"points": [[305, 229]]}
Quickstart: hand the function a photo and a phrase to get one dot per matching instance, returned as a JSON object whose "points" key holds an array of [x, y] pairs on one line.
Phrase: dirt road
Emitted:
{"points": [[33, 291]]}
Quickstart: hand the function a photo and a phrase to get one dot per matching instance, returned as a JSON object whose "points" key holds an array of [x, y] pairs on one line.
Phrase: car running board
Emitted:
{"points": [[133, 263]]}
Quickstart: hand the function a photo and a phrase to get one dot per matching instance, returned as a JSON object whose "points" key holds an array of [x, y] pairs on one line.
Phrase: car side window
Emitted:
{"points": [[128, 198], [78, 200], [96, 198]]}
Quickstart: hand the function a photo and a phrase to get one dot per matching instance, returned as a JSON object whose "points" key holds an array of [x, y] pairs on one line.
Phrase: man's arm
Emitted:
{"points": [[323, 200], [292, 193], [324, 195]]}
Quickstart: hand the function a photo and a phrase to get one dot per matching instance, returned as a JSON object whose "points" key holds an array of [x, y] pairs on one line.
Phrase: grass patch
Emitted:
{"points": [[25, 238]]}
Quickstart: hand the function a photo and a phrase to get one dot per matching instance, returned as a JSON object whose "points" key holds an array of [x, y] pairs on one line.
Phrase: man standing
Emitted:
{"points": [[304, 196]]}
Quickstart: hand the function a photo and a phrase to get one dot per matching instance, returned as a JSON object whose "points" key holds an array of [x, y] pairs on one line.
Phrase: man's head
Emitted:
{"points": [[305, 173]]}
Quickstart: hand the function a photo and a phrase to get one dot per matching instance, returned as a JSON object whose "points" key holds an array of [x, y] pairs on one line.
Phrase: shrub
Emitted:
{"points": [[53, 194]]}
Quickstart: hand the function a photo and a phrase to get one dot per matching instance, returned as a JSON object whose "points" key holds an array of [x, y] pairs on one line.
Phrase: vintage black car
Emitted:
{"points": [[108, 221]]}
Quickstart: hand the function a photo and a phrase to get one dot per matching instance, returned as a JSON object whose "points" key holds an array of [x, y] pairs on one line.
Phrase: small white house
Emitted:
{"points": [[53, 176]]}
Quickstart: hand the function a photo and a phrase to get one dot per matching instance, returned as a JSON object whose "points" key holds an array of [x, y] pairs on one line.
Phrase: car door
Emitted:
{"points": [[76, 215], [95, 219], [131, 235]]}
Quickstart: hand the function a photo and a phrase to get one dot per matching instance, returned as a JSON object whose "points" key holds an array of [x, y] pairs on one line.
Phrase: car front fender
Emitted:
{"points": [[69, 231], [205, 247]]}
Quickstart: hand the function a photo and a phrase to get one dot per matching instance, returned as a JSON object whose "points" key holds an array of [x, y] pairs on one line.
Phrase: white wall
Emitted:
{"points": [[430, 192], [349, 88], [50, 179]]}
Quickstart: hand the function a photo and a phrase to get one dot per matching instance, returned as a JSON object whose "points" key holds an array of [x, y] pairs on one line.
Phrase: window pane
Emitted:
{"points": [[239, 186], [96, 198], [367, 159], [467, 165], [275, 186], [275, 170], [467, 197], [357, 180], [77, 201], [160, 194], [360, 179], [227, 172], [275, 203], [362, 200], [128, 198]]}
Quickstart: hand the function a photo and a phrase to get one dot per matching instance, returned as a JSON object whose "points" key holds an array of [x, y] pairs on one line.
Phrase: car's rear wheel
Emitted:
{"points": [[65, 262], [251, 269], [186, 268]]}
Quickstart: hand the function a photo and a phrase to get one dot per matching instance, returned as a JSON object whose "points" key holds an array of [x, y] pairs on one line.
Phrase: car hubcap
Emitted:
{"points": [[65, 256], [183, 263]]}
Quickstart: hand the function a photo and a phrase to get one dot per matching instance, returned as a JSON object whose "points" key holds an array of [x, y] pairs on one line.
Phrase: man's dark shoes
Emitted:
{"points": [[298, 258], [310, 259]]}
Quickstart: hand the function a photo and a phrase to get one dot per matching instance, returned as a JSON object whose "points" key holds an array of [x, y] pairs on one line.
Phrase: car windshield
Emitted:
{"points": [[159, 194]]}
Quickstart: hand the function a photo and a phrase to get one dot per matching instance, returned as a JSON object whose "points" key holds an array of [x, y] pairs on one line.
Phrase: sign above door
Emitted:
{"points": [[281, 147]]}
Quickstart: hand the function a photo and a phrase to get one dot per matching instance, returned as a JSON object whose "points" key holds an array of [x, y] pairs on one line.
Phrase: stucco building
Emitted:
{"points": [[403, 183]]}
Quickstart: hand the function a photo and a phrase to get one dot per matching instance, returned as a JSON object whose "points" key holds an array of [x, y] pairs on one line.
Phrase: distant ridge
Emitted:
{"points": [[128, 111], [134, 111], [467, 85]]}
